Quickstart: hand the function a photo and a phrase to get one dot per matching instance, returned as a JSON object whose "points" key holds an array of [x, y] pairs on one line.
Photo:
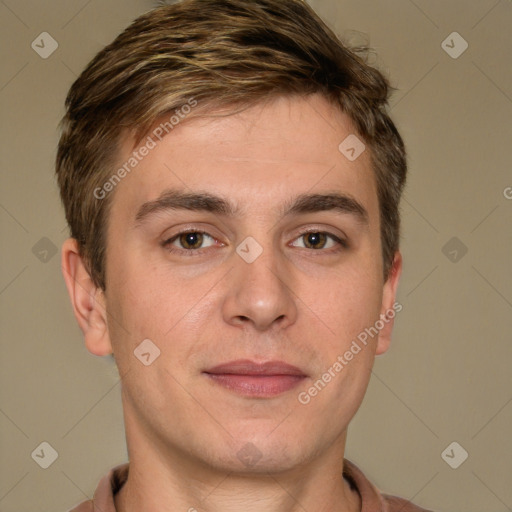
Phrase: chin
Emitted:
{"points": [[264, 454]]}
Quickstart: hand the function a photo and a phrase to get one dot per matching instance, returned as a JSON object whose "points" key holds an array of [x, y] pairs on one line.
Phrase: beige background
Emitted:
{"points": [[448, 375]]}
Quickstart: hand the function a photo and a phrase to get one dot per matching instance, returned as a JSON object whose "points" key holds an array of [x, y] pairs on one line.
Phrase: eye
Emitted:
{"points": [[191, 242], [188, 241], [320, 240]]}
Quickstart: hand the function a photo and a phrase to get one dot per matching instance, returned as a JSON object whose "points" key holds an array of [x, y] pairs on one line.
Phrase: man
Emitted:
{"points": [[231, 180]]}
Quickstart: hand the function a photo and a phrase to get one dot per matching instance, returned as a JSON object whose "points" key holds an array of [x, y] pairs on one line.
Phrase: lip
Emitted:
{"points": [[257, 380], [248, 367]]}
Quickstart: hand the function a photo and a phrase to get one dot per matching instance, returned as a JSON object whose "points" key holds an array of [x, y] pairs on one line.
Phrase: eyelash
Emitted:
{"points": [[197, 252]]}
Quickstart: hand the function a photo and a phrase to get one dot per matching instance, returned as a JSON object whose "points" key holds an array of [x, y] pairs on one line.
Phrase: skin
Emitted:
{"points": [[294, 303]]}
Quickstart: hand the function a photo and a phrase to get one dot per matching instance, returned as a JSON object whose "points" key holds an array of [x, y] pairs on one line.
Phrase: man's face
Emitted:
{"points": [[208, 298]]}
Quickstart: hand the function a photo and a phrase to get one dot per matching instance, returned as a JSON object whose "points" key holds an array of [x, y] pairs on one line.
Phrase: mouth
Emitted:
{"points": [[257, 380]]}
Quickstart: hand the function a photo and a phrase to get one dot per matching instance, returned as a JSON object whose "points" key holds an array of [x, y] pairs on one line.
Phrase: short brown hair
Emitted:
{"points": [[223, 53]]}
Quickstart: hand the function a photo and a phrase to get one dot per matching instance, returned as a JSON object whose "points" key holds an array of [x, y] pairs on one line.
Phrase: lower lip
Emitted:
{"points": [[259, 386]]}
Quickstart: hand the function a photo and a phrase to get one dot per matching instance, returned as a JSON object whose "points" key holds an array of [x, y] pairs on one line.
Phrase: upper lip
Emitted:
{"points": [[248, 367]]}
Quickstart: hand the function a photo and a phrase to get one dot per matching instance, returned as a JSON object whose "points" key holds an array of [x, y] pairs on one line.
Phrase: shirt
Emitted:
{"points": [[371, 498]]}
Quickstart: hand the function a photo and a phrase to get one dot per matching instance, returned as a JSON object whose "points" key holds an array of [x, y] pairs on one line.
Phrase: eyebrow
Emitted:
{"points": [[206, 202]]}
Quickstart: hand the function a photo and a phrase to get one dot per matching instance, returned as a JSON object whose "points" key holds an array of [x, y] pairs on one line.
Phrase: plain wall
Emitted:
{"points": [[447, 376]]}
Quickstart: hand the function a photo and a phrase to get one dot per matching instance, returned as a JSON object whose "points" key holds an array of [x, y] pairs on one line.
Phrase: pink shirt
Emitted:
{"points": [[371, 498]]}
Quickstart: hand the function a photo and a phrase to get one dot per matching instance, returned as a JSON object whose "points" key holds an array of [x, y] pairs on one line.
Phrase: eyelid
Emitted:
{"points": [[340, 240], [169, 240]]}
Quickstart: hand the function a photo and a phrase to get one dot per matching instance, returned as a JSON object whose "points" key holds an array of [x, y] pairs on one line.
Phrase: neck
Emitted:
{"points": [[166, 478], [271, 493], [174, 483]]}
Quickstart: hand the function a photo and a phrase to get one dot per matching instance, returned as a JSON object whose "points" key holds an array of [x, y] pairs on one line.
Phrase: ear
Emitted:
{"points": [[389, 307], [87, 299]]}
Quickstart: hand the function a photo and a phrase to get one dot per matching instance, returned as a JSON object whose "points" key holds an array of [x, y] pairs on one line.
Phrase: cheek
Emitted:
{"points": [[345, 302], [149, 301], [131, 305]]}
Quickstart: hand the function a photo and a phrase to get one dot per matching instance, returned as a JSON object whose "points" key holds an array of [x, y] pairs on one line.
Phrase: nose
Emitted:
{"points": [[260, 293]]}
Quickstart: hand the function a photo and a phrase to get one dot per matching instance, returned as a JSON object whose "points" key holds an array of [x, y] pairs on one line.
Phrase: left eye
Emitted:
{"points": [[318, 240]]}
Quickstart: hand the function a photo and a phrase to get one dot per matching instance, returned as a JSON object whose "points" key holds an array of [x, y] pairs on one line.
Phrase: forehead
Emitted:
{"points": [[260, 158]]}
